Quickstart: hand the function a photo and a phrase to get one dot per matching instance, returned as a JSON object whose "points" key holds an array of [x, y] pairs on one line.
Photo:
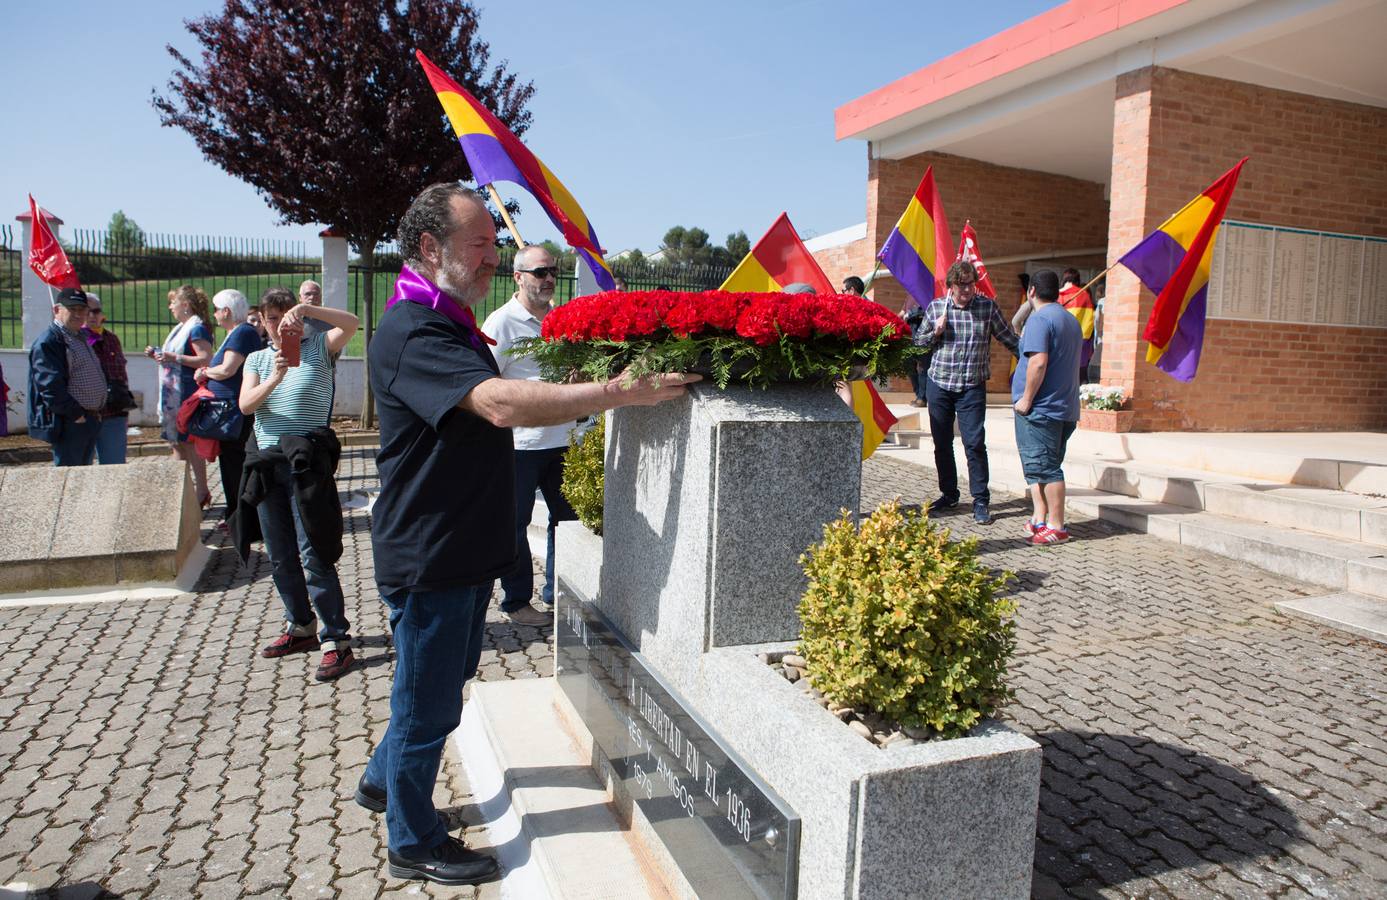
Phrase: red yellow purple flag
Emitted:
{"points": [[918, 250], [778, 259], [871, 410], [46, 256], [1174, 262], [495, 154]]}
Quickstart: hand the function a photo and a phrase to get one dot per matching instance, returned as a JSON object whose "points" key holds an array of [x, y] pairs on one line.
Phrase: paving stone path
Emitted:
{"points": [[1196, 744]]}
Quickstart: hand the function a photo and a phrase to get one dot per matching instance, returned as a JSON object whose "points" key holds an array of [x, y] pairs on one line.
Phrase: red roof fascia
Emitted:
{"points": [[1037, 38]]}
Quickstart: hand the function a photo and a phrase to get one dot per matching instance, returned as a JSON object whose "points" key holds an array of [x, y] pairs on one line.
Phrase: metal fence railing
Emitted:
{"points": [[11, 272], [133, 274]]}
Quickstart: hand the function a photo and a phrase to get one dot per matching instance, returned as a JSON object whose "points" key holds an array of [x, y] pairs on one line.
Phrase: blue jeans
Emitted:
{"points": [[299, 574], [77, 444], [438, 644], [970, 407], [542, 469], [110, 441]]}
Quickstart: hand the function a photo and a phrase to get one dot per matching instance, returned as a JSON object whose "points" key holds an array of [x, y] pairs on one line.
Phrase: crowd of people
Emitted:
{"points": [[468, 435]]}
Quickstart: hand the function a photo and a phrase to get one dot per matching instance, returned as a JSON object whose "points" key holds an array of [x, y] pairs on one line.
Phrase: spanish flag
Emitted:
{"points": [[495, 154], [778, 259], [918, 250], [871, 409], [1174, 261]]}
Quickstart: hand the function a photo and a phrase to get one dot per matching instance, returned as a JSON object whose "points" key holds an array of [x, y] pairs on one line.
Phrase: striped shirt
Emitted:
{"points": [[299, 403], [962, 356]]}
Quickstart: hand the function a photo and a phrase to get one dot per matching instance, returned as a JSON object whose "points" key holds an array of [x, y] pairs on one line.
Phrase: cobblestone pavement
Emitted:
{"points": [[1196, 744]]}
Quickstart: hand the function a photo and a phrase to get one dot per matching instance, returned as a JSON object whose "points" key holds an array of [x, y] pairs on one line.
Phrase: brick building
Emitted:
{"points": [[1069, 137]]}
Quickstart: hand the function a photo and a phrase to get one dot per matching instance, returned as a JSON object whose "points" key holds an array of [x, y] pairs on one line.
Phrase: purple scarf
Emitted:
{"points": [[416, 288]]}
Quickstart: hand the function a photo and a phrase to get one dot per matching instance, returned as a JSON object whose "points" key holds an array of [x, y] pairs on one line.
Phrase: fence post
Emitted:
{"points": [[38, 300], [335, 286]]}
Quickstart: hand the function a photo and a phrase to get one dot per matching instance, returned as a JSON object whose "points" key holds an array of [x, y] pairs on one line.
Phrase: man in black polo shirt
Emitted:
{"points": [[443, 526]]}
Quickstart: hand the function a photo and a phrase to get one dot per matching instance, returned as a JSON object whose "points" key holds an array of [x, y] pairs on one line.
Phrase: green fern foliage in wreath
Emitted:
{"points": [[901, 620], [583, 473]]}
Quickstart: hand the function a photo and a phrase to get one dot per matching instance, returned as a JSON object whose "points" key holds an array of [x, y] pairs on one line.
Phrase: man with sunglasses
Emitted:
{"points": [[539, 452], [958, 330]]}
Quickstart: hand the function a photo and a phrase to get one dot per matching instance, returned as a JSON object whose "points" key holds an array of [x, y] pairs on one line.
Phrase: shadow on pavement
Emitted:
{"points": [[1119, 807]]}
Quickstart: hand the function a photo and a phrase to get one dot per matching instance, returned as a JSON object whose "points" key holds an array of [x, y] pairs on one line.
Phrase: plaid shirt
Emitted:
{"points": [[108, 352], [961, 357]]}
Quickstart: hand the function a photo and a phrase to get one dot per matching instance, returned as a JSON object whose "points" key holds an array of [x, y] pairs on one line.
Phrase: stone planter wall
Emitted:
{"points": [[1111, 421], [940, 819]]}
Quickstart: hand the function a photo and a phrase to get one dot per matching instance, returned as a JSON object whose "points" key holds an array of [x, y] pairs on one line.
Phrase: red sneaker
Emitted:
{"points": [[288, 643], [1048, 535], [1033, 529], [335, 664]]}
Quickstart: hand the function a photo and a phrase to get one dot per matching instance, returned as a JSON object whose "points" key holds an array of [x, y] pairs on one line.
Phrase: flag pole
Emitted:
{"points": [[505, 216], [1100, 275], [872, 277]]}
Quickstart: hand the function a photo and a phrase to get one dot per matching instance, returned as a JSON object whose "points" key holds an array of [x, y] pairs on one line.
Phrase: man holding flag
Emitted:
{"points": [[958, 330]]}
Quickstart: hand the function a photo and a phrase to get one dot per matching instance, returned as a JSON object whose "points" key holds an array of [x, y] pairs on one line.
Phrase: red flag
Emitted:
{"points": [[46, 256], [968, 252]]}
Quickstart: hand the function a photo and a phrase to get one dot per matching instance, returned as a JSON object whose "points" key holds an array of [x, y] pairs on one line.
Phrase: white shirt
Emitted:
{"points": [[505, 326]]}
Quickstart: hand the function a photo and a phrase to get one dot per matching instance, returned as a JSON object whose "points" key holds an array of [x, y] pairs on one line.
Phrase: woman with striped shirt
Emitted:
{"points": [[294, 401]]}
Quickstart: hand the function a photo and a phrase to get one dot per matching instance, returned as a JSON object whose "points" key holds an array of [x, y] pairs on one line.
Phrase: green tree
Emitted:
{"points": [[687, 246], [738, 246], [122, 233]]}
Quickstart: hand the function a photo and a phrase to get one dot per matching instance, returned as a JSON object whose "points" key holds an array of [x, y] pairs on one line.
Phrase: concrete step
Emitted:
{"points": [[1355, 613], [1333, 513], [1339, 564]]}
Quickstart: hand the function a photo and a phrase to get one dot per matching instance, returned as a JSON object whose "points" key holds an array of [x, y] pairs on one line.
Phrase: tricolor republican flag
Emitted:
{"points": [[778, 259], [495, 154], [1174, 262], [918, 250]]}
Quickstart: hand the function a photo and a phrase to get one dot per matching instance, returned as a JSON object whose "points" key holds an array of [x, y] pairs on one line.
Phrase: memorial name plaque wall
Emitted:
{"points": [[1266, 273], [730, 835]]}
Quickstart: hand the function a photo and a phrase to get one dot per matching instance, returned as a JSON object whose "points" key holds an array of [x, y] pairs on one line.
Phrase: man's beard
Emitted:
{"points": [[467, 287]]}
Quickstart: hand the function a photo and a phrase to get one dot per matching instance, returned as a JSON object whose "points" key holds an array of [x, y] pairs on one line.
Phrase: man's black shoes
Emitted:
{"points": [[941, 504], [448, 863], [370, 796]]}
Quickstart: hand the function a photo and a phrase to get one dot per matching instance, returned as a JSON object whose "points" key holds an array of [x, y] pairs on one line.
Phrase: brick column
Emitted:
{"points": [[1127, 304]]}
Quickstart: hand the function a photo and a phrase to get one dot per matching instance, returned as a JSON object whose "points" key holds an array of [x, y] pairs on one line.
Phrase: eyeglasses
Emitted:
{"points": [[970, 285], [542, 272]]}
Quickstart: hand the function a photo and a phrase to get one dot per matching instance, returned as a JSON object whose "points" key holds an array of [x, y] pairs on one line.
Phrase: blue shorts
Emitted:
{"points": [[1041, 442]]}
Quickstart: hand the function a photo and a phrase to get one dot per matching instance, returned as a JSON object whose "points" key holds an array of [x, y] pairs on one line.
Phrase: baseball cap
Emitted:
{"points": [[73, 297]]}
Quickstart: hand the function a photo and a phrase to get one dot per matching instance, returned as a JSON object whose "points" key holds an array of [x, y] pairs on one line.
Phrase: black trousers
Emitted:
{"points": [[232, 460]]}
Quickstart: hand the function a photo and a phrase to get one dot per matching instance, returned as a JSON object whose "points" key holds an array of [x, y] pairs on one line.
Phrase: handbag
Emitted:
{"points": [[219, 420], [118, 397]]}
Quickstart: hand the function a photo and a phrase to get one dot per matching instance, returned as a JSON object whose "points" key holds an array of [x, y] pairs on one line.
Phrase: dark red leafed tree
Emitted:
{"points": [[321, 106]]}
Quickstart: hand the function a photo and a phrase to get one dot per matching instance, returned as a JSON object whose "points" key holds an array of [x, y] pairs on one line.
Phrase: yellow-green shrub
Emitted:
{"points": [[582, 474], [900, 619]]}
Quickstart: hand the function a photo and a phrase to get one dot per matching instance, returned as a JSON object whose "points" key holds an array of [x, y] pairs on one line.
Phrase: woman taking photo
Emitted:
{"points": [[223, 378], [187, 349]]}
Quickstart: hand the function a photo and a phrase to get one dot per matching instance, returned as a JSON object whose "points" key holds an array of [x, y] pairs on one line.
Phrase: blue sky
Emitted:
{"points": [[717, 114]]}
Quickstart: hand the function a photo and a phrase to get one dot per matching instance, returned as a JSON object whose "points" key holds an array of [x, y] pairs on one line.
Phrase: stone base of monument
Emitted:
{"points": [[63, 529], [550, 820]]}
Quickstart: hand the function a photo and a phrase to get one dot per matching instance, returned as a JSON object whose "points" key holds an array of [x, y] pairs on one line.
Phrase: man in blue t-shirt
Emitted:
{"points": [[1045, 399]]}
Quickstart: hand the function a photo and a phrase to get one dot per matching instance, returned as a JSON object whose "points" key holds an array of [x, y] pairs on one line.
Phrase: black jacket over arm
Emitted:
{"points": [[313, 461]]}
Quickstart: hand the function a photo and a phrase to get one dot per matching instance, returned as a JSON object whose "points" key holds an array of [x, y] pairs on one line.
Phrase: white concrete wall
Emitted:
{"points": [[144, 382]]}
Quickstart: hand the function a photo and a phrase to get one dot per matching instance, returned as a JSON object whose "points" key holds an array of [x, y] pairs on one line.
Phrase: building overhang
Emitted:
{"points": [[1040, 95]]}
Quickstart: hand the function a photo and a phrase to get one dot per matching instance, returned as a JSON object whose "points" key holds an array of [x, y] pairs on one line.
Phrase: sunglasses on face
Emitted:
{"points": [[543, 272]]}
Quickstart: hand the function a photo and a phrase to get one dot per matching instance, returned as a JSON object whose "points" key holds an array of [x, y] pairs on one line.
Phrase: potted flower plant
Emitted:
{"points": [[1101, 408]]}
